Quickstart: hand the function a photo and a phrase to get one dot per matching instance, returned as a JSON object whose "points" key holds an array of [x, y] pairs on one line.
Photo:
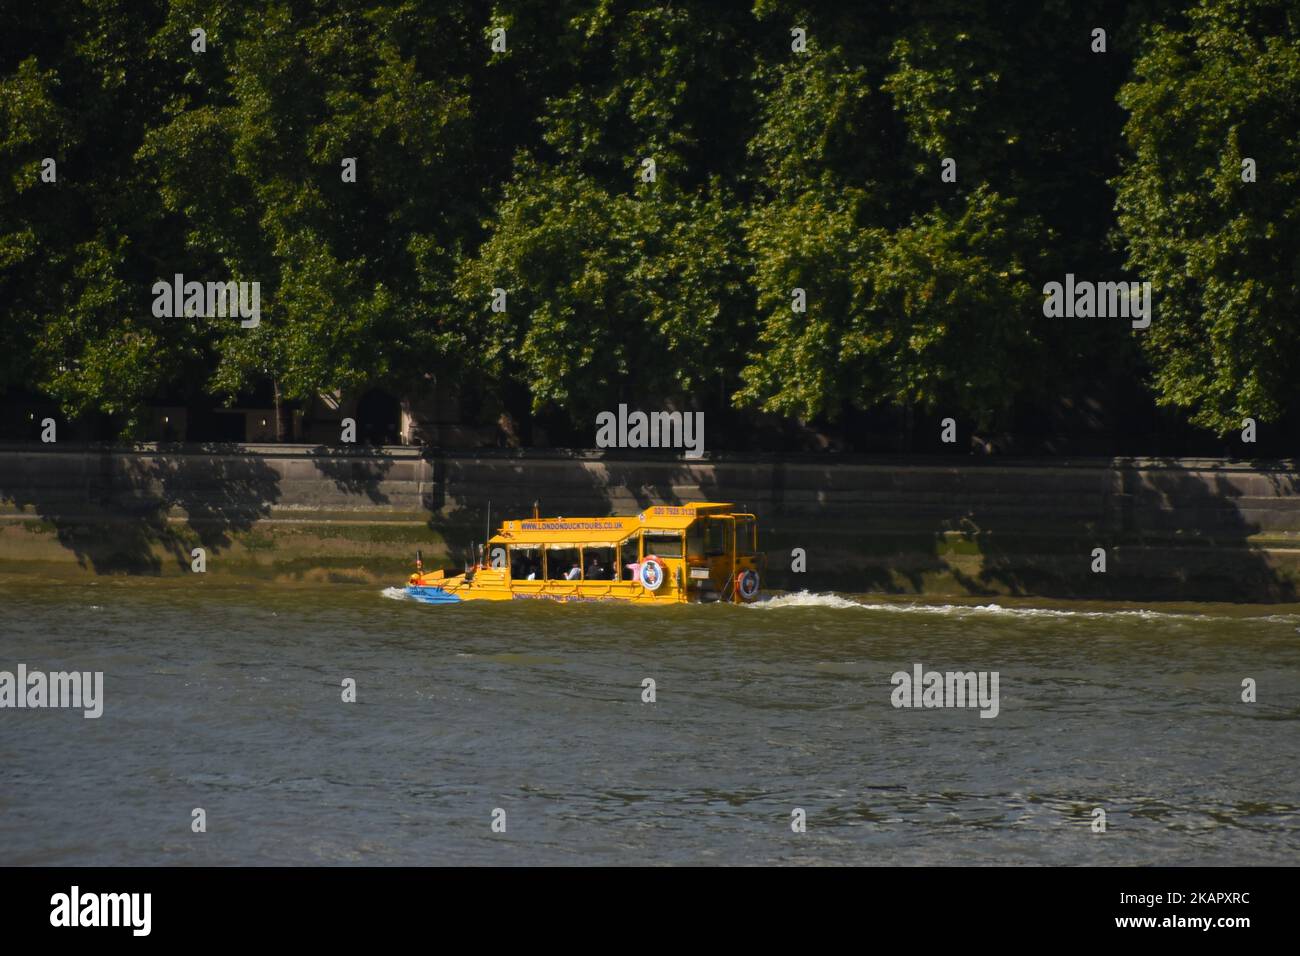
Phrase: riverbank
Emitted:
{"points": [[1199, 530]]}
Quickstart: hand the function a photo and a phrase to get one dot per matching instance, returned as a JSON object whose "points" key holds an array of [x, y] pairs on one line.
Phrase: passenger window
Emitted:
{"points": [[599, 564], [563, 564]]}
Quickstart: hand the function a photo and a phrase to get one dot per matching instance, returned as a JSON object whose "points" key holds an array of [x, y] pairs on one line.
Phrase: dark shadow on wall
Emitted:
{"points": [[572, 484], [1168, 532], [988, 527], [819, 513], [844, 554], [112, 508], [354, 470], [974, 528], [982, 528]]}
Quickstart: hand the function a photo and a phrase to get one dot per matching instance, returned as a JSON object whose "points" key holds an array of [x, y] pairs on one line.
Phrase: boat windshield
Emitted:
{"points": [[746, 535], [715, 537], [695, 539]]}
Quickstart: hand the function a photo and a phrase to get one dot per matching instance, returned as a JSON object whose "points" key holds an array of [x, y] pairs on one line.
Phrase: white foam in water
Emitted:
{"points": [[805, 599], [832, 600], [809, 599]]}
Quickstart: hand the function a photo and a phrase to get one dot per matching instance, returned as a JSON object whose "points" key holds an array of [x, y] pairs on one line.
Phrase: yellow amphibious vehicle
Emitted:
{"points": [[669, 554]]}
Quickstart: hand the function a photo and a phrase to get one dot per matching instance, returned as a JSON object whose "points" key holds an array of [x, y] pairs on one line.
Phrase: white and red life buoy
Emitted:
{"points": [[747, 584], [652, 573]]}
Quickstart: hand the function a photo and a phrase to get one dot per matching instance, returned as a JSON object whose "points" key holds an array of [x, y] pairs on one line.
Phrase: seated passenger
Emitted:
{"points": [[575, 573]]}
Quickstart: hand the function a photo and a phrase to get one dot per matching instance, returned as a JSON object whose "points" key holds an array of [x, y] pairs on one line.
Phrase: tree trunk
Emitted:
{"points": [[283, 423]]}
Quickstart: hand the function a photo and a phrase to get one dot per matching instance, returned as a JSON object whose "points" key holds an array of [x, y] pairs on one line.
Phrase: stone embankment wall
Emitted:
{"points": [[1171, 529]]}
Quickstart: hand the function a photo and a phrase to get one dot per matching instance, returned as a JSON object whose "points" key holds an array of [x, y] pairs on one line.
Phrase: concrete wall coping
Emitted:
{"points": [[415, 453]]}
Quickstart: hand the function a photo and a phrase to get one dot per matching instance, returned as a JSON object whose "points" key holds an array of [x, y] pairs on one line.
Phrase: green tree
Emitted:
{"points": [[351, 273], [917, 292], [621, 288], [1223, 255], [610, 295], [76, 264]]}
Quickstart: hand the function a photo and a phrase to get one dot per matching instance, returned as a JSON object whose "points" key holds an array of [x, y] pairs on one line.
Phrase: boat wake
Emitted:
{"points": [[832, 600], [806, 599]]}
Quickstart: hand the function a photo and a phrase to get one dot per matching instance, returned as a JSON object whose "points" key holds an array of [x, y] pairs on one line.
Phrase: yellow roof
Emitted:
{"points": [[576, 531]]}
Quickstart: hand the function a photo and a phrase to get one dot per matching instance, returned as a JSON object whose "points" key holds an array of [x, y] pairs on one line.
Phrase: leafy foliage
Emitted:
{"points": [[775, 170], [1223, 255]]}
